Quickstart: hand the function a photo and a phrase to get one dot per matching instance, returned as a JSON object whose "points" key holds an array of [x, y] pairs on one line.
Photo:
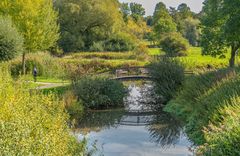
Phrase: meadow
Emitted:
{"points": [[60, 69]]}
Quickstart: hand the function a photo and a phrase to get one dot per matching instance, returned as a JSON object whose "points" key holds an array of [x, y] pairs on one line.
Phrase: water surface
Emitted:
{"points": [[135, 131]]}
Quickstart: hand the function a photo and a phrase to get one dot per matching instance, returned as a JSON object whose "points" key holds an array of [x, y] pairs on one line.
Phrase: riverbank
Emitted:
{"points": [[209, 106]]}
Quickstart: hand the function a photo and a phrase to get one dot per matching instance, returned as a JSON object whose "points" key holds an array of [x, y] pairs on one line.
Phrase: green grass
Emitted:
{"points": [[155, 51], [207, 103], [195, 60], [59, 91], [51, 80]]}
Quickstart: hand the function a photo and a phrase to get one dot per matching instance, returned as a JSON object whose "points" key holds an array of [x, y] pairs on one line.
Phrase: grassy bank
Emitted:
{"points": [[209, 105]]}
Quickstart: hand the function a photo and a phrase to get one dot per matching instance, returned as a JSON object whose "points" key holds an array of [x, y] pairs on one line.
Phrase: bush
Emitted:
{"points": [[141, 52], [97, 47], [120, 42], [168, 76], [16, 67], [98, 93], [174, 45], [32, 123], [11, 42]]}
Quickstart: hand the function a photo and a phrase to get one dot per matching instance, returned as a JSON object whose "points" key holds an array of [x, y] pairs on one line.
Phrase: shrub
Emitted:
{"points": [[98, 93], [174, 45], [168, 76], [200, 100], [120, 42], [16, 67], [11, 42], [141, 52], [32, 123], [56, 51], [97, 46]]}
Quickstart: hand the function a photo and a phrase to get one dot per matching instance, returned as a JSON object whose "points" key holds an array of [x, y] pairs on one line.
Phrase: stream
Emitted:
{"points": [[136, 130]]}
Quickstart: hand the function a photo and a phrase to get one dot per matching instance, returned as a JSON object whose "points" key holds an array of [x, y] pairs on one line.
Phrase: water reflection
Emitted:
{"points": [[165, 130], [137, 130]]}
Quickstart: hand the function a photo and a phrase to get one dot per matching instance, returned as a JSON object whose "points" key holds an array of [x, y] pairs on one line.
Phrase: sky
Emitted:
{"points": [[149, 5]]}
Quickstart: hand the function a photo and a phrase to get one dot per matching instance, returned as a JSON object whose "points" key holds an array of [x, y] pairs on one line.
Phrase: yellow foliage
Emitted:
{"points": [[139, 29], [32, 123]]}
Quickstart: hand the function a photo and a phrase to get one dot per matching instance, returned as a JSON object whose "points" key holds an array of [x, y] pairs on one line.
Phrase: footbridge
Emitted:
{"points": [[136, 73]]}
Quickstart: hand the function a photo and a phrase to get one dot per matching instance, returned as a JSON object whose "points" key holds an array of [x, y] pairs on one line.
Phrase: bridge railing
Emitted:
{"points": [[138, 71], [132, 71]]}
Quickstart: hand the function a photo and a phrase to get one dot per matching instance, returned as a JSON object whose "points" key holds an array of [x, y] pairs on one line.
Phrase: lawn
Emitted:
{"points": [[195, 60]]}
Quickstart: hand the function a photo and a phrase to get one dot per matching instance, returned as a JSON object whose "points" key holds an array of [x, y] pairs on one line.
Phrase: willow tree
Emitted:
{"points": [[36, 20], [83, 22], [221, 28]]}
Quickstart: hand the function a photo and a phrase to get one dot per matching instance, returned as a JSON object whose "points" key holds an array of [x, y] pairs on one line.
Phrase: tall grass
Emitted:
{"points": [[198, 104], [32, 123]]}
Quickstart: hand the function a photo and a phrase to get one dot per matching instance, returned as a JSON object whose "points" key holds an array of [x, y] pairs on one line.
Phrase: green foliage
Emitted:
{"points": [[184, 11], [168, 76], [11, 42], [36, 21], [220, 28], [174, 45], [162, 21], [137, 11], [16, 67], [98, 93], [206, 104], [120, 42], [125, 10], [141, 52], [47, 66], [191, 31], [94, 23], [32, 123], [223, 138]]}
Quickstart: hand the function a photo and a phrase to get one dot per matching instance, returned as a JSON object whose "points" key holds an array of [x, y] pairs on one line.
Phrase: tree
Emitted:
{"points": [[162, 21], [11, 42], [191, 30], [83, 22], [184, 11], [180, 15], [137, 11], [125, 9], [36, 21], [221, 22]]}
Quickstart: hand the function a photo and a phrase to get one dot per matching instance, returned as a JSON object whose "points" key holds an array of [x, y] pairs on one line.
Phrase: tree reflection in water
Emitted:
{"points": [[97, 120], [163, 129]]}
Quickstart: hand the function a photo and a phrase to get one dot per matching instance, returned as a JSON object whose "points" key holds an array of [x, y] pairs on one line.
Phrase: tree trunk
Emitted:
{"points": [[233, 55], [23, 64]]}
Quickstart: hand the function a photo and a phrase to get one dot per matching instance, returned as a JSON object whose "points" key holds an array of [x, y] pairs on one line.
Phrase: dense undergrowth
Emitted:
{"points": [[209, 105], [99, 93], [32, 123]]}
